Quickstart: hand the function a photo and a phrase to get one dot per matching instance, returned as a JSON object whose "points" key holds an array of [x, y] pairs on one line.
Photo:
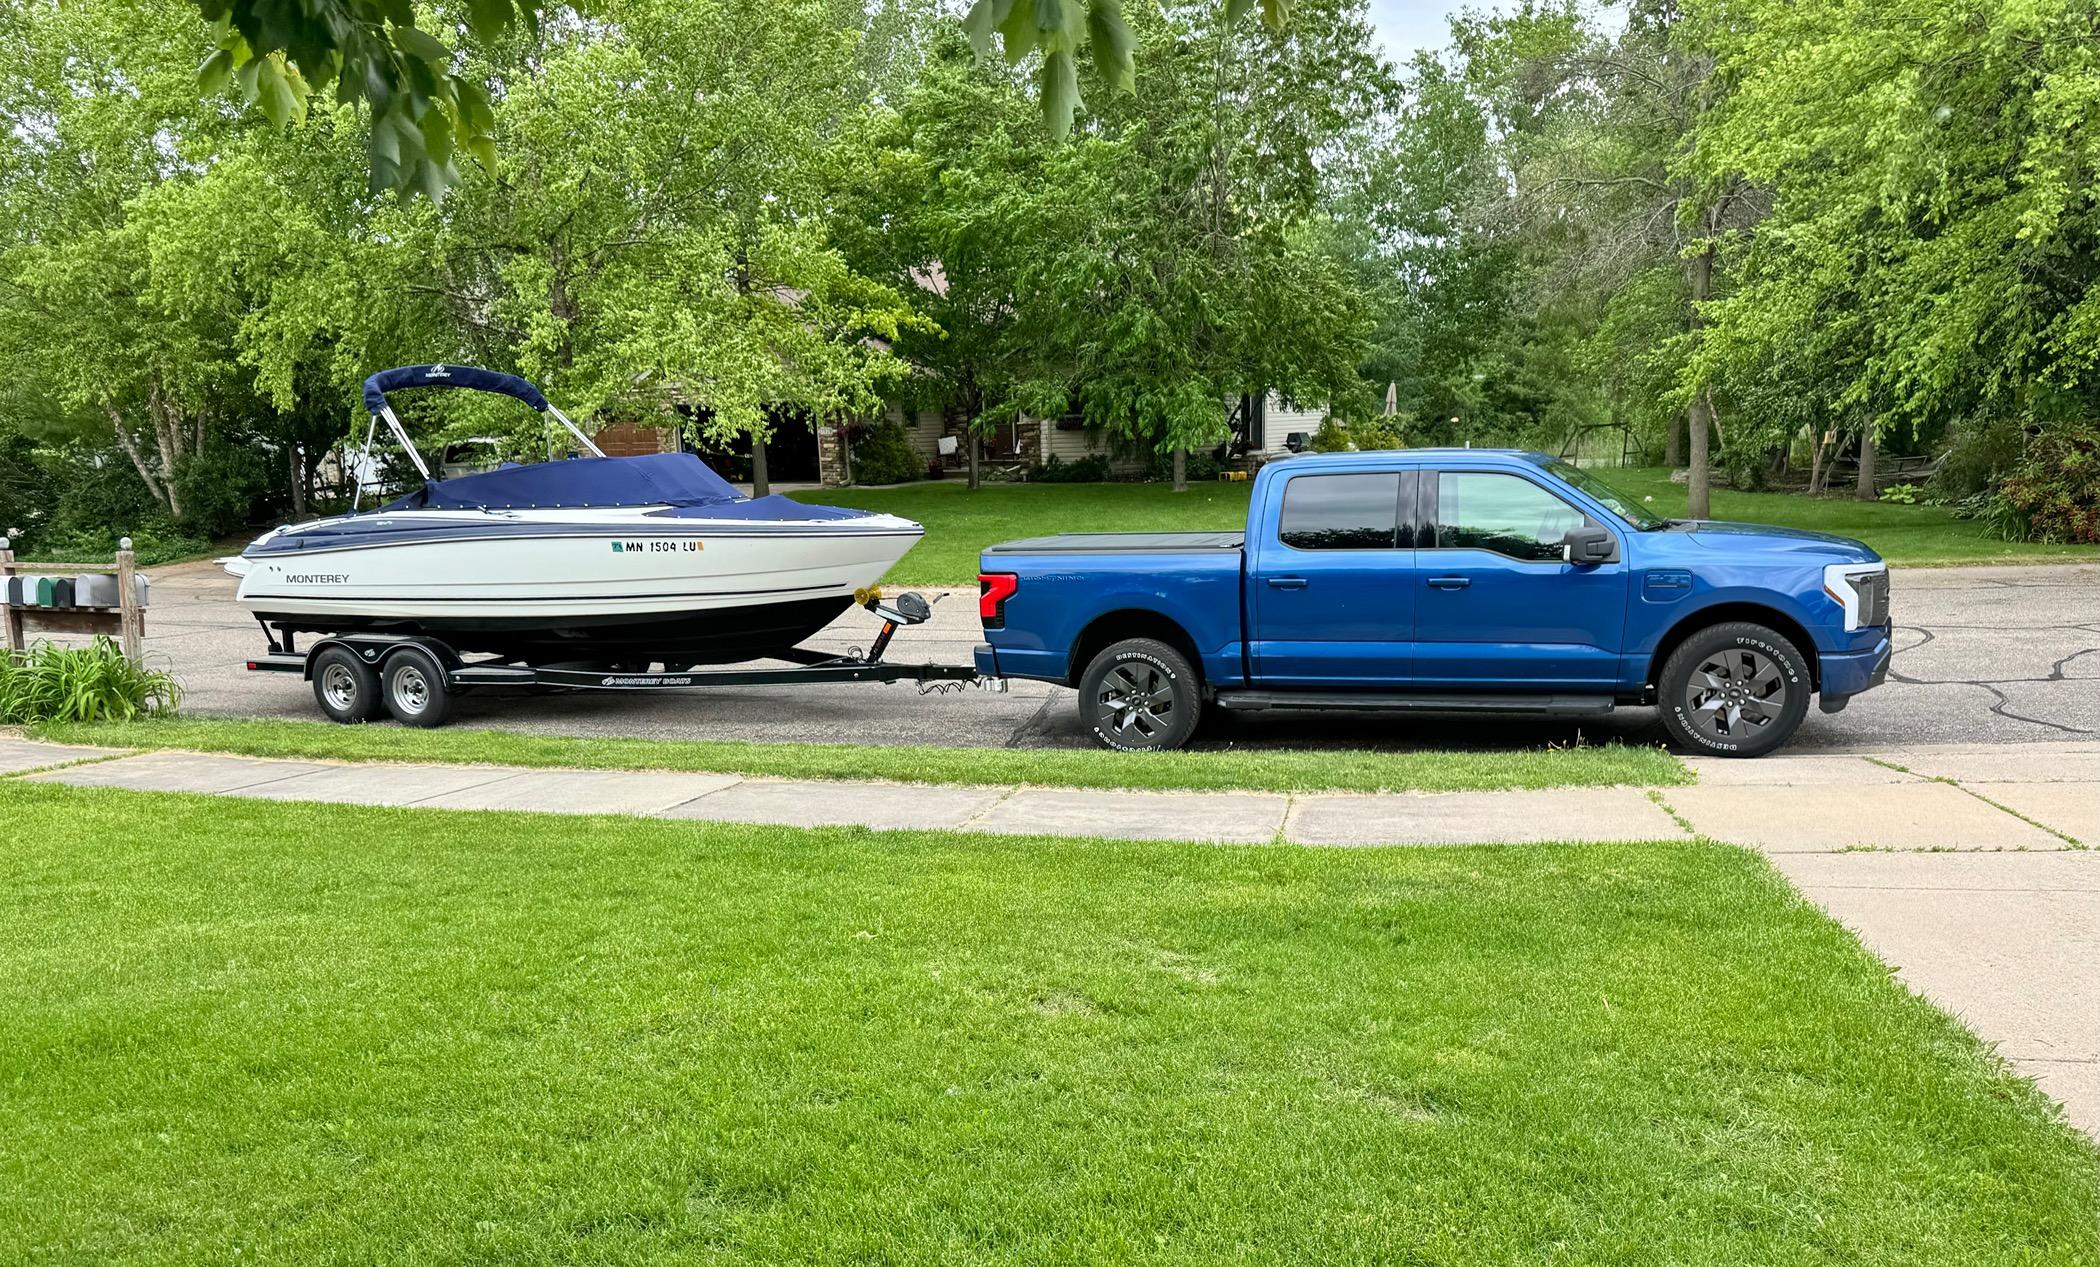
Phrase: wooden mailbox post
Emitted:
{"points": [[125, 620]]}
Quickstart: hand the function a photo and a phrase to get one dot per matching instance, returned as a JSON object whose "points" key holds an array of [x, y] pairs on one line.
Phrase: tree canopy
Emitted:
{"points": [[1756, 238]]}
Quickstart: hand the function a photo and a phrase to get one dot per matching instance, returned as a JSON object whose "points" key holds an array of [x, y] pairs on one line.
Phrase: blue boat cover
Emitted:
{"points": [[467, 376], [652, 479], [775, 507]]}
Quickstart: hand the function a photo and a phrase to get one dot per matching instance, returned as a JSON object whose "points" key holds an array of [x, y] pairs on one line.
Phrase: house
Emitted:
{"points": [[1261, 430], [799, 453]]}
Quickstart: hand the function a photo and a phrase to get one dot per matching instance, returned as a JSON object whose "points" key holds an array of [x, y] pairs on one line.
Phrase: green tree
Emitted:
{"points": [[656, 239], [1934, 234]]}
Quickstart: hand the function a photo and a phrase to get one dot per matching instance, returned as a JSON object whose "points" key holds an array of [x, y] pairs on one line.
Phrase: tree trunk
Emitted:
{"points": [[138, 460], [976, 455], [1815, 465], [298, 465], [1867, 445], [1181, 470], [760, 485], [1700, 415], [1673, 442]]}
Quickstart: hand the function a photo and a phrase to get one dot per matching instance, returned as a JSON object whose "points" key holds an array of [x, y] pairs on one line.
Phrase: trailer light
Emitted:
{"points": [[993, 589]]}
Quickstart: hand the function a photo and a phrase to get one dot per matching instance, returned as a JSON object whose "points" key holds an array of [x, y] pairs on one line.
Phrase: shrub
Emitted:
{"points": [[2057, 484], [219, 488], [97, 491], [1979, 452], [154, 541], [882, 454], [1201, 468], [1091, 469], [1902, 494], [82, 684], [1366, 434]]}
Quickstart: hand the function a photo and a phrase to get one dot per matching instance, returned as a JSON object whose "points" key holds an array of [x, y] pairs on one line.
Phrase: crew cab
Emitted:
{"points": [[1438, 581]]}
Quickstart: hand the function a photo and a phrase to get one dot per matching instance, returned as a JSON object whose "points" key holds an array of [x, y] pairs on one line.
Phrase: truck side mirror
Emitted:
{"points": [[1587, 545]]}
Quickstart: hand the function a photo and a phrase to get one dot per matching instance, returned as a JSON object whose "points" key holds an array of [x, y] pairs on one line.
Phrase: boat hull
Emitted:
{"points": [[607, 589]]}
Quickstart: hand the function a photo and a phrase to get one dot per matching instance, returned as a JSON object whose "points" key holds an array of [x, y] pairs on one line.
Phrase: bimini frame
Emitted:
{"points": [[467, 377]]}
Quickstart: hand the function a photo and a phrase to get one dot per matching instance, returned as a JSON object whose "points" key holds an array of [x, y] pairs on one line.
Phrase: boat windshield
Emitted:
{"points": [[1618, 503]]}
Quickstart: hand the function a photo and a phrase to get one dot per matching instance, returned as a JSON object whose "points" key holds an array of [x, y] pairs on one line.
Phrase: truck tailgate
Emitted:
{"points": [[1122, 543]]}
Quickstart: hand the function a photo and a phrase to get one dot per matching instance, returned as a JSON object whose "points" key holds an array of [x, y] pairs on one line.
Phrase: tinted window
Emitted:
{"points": [[1341, 512], [1501, 513]]}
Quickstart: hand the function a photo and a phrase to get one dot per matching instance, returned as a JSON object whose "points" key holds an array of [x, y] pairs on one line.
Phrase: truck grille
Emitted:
{"points": [[1873, 590]]}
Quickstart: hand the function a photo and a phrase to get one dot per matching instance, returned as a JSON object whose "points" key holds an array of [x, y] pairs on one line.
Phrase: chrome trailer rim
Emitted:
{"points": [[411, 689], [339, 687]]}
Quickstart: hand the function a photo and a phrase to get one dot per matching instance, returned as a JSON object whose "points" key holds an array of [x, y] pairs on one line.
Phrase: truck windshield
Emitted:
{"points": [[1616, 502]]}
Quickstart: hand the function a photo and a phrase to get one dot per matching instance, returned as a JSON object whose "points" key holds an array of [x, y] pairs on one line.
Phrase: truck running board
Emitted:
{"points": [[1415, 702]]}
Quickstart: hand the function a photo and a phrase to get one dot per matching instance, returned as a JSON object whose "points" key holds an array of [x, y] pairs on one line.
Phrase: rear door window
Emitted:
{"points": [[1342, 512]]}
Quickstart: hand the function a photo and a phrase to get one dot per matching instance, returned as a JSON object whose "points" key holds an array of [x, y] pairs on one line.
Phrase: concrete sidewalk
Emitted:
{"points": [[2034, 797], [1964, 867]]}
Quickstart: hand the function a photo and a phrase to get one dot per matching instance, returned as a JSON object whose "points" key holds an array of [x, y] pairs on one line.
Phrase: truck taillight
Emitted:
{"points": [[993, 589]]}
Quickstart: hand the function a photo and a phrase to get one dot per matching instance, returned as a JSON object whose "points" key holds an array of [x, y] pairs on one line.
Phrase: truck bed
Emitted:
{"points": [[1123, 543]]}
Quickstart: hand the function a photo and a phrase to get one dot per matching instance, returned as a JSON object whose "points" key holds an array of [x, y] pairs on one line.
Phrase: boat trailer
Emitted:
{"points": [[358, 675]]}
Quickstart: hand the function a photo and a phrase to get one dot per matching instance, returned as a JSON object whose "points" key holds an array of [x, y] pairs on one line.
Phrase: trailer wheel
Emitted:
{"points": [[1140, 695], [346, 688], [416, 690]]}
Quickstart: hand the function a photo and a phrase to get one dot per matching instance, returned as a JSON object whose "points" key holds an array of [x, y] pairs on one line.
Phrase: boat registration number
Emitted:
{"points": [[657, 547]]}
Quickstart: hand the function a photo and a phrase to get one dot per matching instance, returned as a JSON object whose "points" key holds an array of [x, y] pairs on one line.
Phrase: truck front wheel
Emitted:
{"points": [[1735, 690], [1140, 695]]}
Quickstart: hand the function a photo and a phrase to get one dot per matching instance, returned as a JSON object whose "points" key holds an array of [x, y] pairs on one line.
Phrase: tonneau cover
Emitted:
{"points": [[1123, 543]]}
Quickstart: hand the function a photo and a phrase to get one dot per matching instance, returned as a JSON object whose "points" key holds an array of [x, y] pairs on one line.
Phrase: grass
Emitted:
{"points": [[1914, 535], [960, 524], [280, 1033], [1256, 770]]}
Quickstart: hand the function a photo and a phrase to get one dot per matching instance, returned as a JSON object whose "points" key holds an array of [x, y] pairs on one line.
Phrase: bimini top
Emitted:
{"points": [[466, 376], [652, 479]]}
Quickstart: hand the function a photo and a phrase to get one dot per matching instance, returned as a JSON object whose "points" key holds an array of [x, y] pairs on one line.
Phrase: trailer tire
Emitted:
{"points": [[346, 688], [1140, 695], [417, 693]]}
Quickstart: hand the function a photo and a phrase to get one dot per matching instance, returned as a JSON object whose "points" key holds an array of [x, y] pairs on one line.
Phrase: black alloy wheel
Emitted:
{"points": [[1140, 695]]}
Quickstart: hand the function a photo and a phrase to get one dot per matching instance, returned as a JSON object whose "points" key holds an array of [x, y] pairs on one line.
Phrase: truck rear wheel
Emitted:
{"points": [[1140, 695], [1735, 690]]}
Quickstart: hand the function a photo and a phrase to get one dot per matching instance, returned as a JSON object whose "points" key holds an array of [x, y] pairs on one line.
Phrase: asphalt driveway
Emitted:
{"points": [[1984, 655]]}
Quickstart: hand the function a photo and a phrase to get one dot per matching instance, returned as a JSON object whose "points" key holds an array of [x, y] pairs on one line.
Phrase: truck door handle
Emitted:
{"points": [[1287, 582], [1449, 582]]}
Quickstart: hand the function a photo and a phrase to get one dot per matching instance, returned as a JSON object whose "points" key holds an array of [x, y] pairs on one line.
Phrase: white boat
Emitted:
{"points": [[607, 560]]}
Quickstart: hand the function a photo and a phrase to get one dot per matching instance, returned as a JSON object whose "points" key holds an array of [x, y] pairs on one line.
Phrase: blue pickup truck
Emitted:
{"points": [[1439, 581]]}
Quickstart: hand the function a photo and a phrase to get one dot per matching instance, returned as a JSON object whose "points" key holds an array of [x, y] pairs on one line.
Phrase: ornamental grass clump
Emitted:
{"points": [[82, 684]]}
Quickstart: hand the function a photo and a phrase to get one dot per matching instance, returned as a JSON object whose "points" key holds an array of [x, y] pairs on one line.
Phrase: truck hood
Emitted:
{"points": [[1738, 538]]}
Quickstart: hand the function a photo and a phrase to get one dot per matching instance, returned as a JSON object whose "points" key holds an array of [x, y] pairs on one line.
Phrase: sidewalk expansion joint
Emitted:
{"points": [[972, 821], [75, 762], [1959, 786]]}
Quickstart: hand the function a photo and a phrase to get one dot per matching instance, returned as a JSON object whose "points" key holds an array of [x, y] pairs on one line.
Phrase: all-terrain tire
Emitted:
{"points": [[1734, 690], [1140, 695]]}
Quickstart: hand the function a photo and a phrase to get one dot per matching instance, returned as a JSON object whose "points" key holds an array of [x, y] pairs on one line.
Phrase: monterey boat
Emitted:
{"points": [[608, 560]]}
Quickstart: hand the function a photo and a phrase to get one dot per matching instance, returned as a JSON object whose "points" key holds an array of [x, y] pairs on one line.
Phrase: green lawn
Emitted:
{"points": [[1923, 535], [1252, 769], [305, 1034], [960, 523]]}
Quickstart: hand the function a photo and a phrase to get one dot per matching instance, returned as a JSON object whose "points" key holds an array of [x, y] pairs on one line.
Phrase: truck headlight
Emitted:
{"points": [[1862, 589]]}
